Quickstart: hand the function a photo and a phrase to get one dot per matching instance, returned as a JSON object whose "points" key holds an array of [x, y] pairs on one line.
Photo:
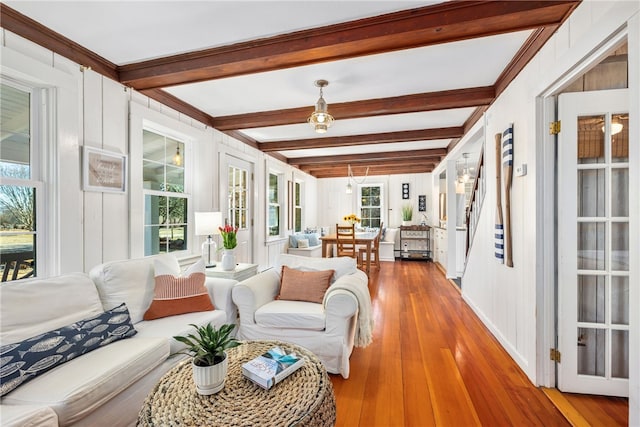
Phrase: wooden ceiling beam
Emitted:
{"points": [[367, 139], [360, 169], [442, 100], [363, 158], [373, 171], [425, 26]]}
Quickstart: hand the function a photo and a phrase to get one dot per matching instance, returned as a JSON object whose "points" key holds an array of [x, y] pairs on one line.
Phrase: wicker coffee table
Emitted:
{"points": [[305, 398]]}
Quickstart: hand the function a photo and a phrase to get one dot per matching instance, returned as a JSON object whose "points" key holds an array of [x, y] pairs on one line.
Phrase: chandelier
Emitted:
{"points": [[350, 178], [321, 120]]}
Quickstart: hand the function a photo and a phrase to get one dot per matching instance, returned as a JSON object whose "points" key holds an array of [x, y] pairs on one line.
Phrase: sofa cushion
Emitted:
{"points": [[168, 327], [179, 294], [28, 416], [23, 361], [390, 235], [130, 281], [284, 314], [312, 239], [78, 388], [298, 285], [32, 307], [341, 265]]}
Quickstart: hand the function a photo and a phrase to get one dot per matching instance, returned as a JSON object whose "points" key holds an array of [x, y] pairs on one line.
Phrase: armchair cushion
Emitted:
{"points": [[298, 285], [341, 265], [300, 315], [178, 295]]}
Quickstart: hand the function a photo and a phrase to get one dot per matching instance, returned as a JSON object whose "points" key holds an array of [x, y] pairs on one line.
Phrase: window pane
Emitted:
{"points": [[620, 354], [15, 122], [153, 146], [298, 191], [620, 138], [591, 349], [177, 210], [620, 300], [620, 192], [153, 175], [591, 299], [591, 246], [298, 224], [17, 255], [175, 152], [590, 139], [274, 220], [273, 188], [151, 240], [591, 193], [176, 236], [175, 179], [620, 246], [152, 209]]}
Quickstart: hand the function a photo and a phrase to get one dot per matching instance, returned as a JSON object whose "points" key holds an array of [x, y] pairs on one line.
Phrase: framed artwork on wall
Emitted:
{"points": [[422, 203], [405, 190], [104, 171]]}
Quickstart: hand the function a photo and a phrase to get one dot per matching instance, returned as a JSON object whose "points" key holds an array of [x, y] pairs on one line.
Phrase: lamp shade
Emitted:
{"points": [[207, 223]]}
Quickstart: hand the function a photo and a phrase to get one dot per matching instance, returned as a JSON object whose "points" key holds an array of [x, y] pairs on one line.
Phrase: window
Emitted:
{"points": [[297, 206], [165, 201], [238, 189], [371, 205], [274, 207], [20, 189]]}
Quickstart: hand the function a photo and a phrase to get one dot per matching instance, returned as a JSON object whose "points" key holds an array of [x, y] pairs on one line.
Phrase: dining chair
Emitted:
{"points": [[375, 249], [346, 241]]}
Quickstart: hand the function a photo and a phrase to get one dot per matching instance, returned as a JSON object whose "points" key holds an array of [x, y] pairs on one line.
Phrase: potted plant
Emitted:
{"points": [[209, 360], [229, 243], [407, 214]]}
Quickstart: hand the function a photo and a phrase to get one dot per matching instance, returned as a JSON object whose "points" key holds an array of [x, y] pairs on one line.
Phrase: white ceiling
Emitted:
{"points": [[125, 32]]}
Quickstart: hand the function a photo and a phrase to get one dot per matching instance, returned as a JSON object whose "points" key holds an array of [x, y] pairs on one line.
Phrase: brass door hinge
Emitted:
{"points": [[555, 355], [554, 127]]}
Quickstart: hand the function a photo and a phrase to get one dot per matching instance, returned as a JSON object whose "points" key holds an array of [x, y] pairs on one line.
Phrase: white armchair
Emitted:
{"points": [[329, 329]]}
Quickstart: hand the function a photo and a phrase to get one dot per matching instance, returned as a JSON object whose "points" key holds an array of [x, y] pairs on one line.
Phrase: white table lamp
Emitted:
{"points": [[207, 224]]}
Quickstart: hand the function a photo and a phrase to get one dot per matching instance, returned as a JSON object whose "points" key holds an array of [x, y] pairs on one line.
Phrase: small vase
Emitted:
{"points": [[228, 261]]}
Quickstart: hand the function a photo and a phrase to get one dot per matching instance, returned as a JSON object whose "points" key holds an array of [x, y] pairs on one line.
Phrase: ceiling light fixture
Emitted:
{"points": [[350, 177], [616, 127], [321, 120]]}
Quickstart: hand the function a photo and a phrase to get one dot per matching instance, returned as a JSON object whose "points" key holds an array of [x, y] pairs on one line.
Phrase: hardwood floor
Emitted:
{"points": [[433, 363]]}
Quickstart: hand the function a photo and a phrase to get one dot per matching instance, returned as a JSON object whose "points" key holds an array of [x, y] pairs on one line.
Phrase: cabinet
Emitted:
{"points": [[415, 242], [440, 246]]}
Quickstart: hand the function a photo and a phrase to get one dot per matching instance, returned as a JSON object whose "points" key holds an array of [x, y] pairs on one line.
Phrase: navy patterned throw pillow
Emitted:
{"points": [[22, 361]]}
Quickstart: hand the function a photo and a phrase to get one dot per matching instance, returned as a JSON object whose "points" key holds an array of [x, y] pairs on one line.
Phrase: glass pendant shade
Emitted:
{"points": [[320, 119]]}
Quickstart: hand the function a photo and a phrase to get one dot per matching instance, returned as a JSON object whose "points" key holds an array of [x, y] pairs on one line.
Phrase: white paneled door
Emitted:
{"points": [[593, 243], [236, 204]]}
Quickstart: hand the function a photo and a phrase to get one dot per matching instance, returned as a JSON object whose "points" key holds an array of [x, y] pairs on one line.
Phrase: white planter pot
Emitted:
{"points": [[406, 223], [210, 379]]}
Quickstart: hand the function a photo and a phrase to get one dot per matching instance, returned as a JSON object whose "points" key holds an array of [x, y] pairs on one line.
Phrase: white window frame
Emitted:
{"points": [[382, 199], [280, 203], [298, 182], [39, 141], [142, 118]]}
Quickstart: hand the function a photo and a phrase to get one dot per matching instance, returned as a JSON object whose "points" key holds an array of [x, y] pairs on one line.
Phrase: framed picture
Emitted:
{"points": [[422, 203], [104, 170], [405, 190]]}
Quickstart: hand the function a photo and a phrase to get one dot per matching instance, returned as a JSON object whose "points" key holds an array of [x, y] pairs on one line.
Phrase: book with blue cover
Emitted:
{"points": [[271, 367]]}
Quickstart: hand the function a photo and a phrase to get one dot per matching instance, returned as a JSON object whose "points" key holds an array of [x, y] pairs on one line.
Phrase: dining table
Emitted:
{"points": [[364, 238]]}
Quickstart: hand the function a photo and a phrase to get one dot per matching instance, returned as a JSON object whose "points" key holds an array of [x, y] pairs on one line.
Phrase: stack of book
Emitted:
{"points": [[271, 367]]}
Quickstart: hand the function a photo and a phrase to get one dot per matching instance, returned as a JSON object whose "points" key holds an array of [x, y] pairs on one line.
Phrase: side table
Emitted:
{"points": [[304, 398], [240, 273]]}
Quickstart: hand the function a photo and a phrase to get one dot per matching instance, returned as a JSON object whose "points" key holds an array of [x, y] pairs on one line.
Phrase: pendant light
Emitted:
{"points": [[321, 120]]}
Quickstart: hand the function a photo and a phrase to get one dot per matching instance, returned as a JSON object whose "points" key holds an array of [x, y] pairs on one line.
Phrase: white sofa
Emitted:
{"points": [[327, 329], [108, 385]]}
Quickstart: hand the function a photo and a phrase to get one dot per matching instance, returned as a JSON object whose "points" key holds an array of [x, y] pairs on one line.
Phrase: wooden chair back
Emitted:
{"points": [[346, 240]]}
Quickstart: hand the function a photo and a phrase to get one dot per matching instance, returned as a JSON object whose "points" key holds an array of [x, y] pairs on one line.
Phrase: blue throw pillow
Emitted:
{"points": [[312, 238], [23, 361]]}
